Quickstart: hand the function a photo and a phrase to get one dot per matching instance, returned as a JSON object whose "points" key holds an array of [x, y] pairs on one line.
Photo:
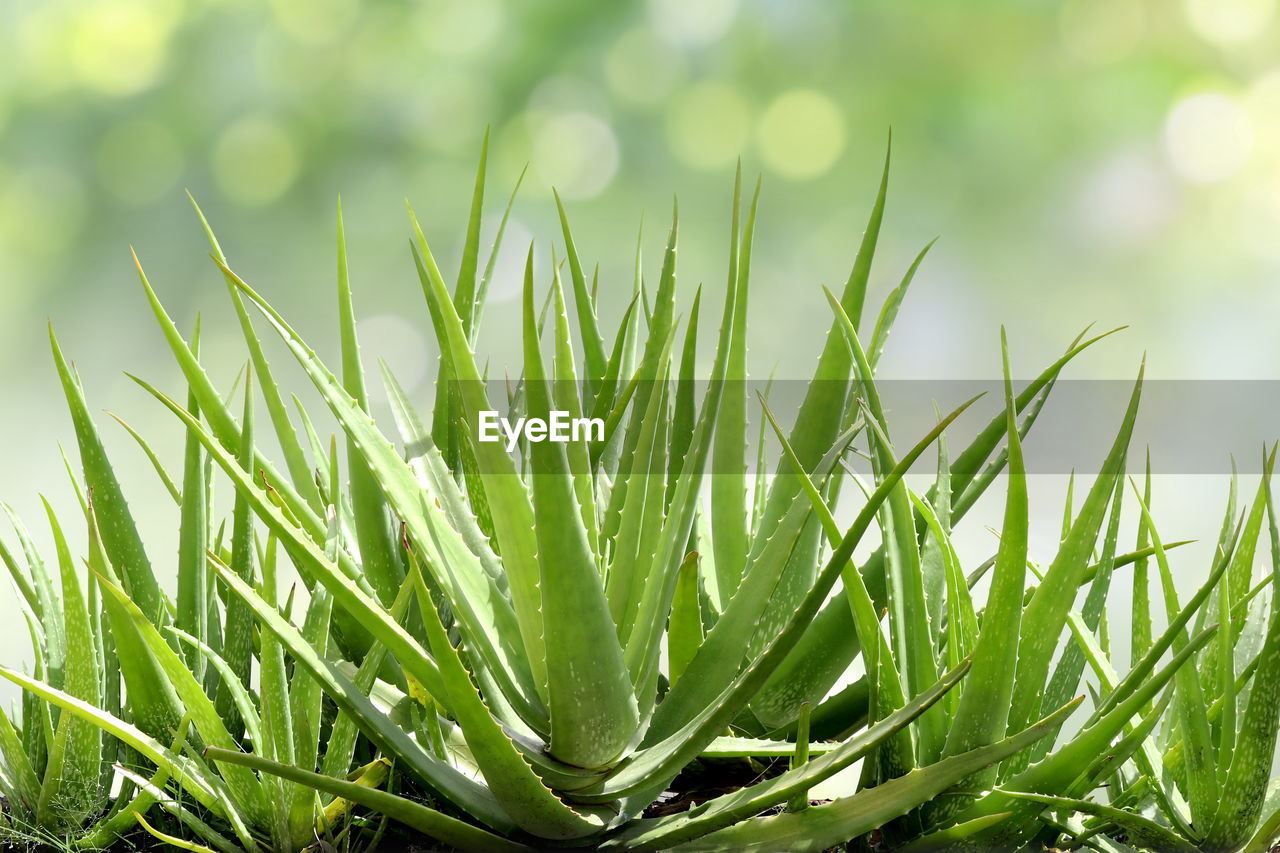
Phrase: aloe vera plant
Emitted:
{"points": [[185, 680], [558, 590], [53, 778], [1200, 761], [511, 651]]}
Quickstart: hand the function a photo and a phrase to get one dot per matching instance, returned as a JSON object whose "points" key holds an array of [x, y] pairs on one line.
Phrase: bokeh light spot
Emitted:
{"points": [[1227, 22], [1208, 137], [255, 161], [138, 161], [801, 134], [576, 153], [119, 47], [692, 24], [642, 69], [708, 124]]}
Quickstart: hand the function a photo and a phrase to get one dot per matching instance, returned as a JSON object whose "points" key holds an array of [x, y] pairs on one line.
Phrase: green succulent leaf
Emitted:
{"points": [[819, 827], [430, 822], [120, 534], [593, 709]]}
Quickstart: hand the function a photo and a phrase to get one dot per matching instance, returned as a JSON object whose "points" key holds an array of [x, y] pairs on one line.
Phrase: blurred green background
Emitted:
{"points": [[1088, 160]]}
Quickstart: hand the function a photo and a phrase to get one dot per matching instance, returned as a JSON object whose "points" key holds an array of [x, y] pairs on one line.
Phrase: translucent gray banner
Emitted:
{"points": [[1187, 426]]}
